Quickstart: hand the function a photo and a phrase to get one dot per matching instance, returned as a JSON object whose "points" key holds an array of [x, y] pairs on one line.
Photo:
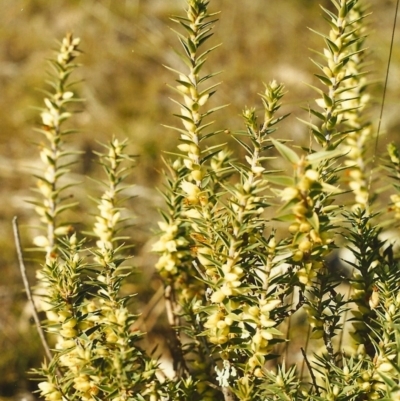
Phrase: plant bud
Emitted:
{"points": [[253, 310], [305, 227], [197, 175], [217, 297], [289, 193], [374, 300], [70, 323], [299, 209], [279, 381], [336, 390], [305, 245], [298, 256], [184, 147]]}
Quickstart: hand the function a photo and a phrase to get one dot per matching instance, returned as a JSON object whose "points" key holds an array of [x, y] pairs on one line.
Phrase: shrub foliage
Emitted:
{"points": [[280, 280]]}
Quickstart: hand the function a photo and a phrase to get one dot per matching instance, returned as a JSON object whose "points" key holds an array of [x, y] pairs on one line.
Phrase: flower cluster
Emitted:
{"points": [[237, 312], [232, 281], [49, 391], [105, 228], [168, 245], [255, 324], [66, 297], [306, 199], [175, 261], [95, 353], [55, 113], [95, 345], [356, 100]]}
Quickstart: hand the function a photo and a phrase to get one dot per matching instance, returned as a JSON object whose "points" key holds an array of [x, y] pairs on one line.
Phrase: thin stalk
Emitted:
{"points": [[228, 395], [314, 380], [306, 347], [179, 363], [28, 291], [386, 81]]}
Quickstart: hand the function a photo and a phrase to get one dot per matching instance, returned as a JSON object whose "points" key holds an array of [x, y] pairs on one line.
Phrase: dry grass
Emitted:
{"points": [[125, 44]]}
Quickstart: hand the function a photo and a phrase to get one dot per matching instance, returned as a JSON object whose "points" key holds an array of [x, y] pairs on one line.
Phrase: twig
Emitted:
{"points": [[314, 380], [179, 363], [39, 328], [226, 391], [147, 311], [328, 340], [288, 329], [384, 91], [341, 336], [196, 266], [304, 360], [212, 385], [169, 306], [228, 395]]}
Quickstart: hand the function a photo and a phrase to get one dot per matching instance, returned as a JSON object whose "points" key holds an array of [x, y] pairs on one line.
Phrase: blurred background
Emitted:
{"points": [[125, 44]]}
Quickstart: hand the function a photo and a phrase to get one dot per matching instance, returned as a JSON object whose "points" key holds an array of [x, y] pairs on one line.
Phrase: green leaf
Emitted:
{"points": [[314, 87], [324, 80], [323, 155], [202, 55], [332, 46], [65, 207], [287, 218], [283, 180], [287, 153], [330, 188], [314, 221]]}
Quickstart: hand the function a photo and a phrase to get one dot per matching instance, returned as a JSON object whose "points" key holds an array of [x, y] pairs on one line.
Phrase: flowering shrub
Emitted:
{"points": [[244, 249]]}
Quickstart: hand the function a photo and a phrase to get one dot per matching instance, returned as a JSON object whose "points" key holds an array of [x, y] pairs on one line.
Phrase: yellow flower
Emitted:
{"points": [[289, 193], [82, 383], [192, 191]]}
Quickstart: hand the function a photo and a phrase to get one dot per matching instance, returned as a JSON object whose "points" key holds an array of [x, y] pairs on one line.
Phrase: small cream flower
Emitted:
{"points": [[289, 194], [192, 190]]}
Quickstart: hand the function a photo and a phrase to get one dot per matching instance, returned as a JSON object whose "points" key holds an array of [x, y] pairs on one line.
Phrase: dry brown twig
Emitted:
{"points": [[28, 291]]}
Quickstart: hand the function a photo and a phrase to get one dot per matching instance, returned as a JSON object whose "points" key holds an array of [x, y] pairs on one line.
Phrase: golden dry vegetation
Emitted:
{"points": [[126, 43]]}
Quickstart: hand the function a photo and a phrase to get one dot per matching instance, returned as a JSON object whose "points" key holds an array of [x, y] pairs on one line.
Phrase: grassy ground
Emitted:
{"points": [[125, 45]]}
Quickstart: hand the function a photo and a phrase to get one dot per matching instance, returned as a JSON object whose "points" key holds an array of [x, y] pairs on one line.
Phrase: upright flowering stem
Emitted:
{"points": [[65, 299], [356, 102], [50, 206], [188, 170], [240, 314], [115, 344], [375, 293], [343, 44], [107, 222], [198, 26], [50, 203], [307, 199], [339, 50], [185, 194]]}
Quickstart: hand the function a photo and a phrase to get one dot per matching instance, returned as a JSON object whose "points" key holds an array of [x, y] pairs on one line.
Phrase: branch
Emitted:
{"points": [[147, 311], [226, 391], [328, 340], [22, 268], [179, 363], [228, 394], [314, 380]]}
